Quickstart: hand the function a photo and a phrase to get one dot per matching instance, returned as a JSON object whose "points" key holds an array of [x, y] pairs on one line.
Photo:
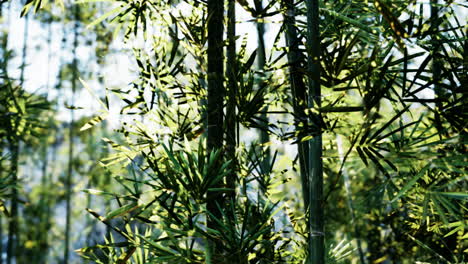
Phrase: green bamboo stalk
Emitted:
{"points": [[69, 179], [231, 118], [215, 74], [464, 133], [264, 135], [13, 233], [4, 47], [436, 67], [12, 244], [25, 49], [1, 219], [298, 90], [46, 195], [57, 140], [316, 221], [215, 110], [45, 200], [349, 196], [261, 62], [49, 54], [45, 181], [1, 235]]}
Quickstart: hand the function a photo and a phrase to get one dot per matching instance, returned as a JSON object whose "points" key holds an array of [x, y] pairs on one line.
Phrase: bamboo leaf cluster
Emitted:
{"points": [[339, 137]]}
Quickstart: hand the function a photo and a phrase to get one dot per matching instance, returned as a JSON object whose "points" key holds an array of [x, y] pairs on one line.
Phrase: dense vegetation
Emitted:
{"points": [[248, 131]]}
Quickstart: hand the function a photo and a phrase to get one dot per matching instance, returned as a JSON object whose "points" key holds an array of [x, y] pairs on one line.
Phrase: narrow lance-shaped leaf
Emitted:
{"points": [[91, 123], [413, 181]]}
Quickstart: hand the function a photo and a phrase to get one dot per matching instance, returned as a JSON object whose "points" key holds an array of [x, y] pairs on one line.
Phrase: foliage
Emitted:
{"points": [[22, 118], [392, 121]]}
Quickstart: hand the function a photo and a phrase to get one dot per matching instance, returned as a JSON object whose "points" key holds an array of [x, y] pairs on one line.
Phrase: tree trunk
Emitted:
{"points": [[215, 111], [316, 222]]}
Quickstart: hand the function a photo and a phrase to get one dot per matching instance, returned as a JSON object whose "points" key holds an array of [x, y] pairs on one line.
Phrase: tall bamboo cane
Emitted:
{"points": [[316, 222], [436, 67], [69, 179], [215, 108], [261, 62], [231, 71], [13, 234], [4, 45], [298, 90]]}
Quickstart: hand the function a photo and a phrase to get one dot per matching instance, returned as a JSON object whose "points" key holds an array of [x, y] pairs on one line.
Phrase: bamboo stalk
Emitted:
{"points": [[69, 179], [231, 119], [436, 68], [347, 183], [215, 74], [13, 233], [264, 135], [13, 221], [261, 62], [1, 219], [298, 90], [1, 235], [45, 179], [25, 49], [316, 221], [215, 110], [4, 44]]}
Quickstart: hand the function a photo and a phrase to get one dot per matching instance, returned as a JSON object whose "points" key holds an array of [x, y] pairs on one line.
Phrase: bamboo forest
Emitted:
{"points": [[233, 131]]}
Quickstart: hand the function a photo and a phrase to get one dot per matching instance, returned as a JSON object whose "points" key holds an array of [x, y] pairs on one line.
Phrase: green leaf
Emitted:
{"points": [[419, 242], [121, 211], [3, 208], [358, 23], [248, 65], [455, 195], [410, 184], [106, 15], [92, 1], [93, 94], [97, 192], [94, 121], [72, 107], [220, 189], [440, 211]]}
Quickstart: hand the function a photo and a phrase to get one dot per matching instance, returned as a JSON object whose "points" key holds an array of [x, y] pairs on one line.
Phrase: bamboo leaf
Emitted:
{"points": [[455, 195], [90, 91], [121, 211], [106, 15], [420, 243], [72, 107], [380, 130], [91, 123], [357, 23], [410, 184], [92, 1]]}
